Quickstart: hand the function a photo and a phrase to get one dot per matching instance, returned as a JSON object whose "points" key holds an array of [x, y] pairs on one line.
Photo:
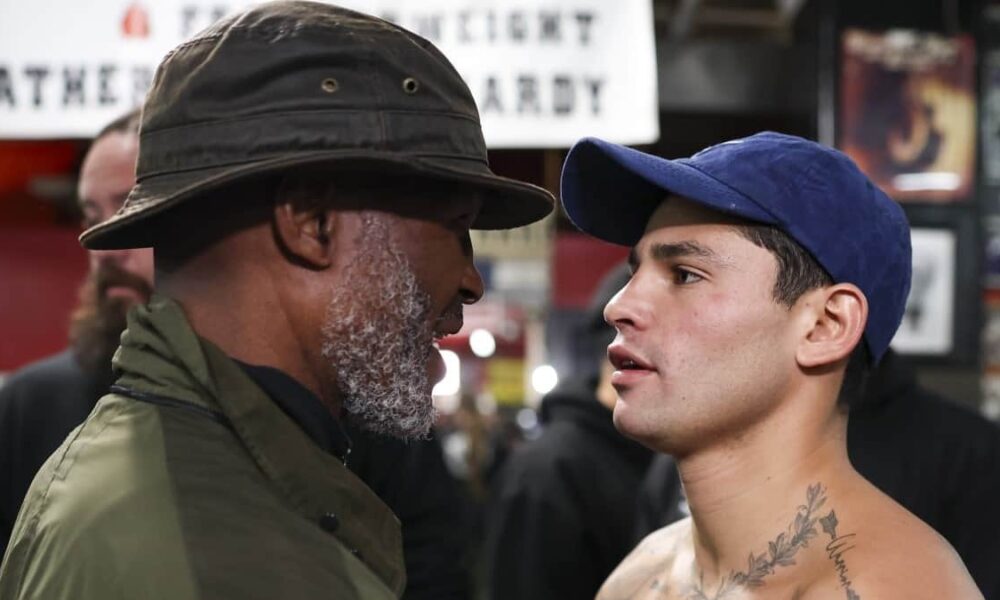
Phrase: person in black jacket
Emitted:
{"points": [[43, 402], [939, 460], [563, 508]]}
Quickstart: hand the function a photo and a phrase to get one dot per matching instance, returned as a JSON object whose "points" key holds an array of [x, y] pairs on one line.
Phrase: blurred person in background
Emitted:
{"points": [[42, 402], [939, 460], [299, 288], [563, 504]]}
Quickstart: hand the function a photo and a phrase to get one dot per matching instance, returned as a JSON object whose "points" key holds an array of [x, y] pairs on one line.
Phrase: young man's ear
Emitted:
{"points": [[837, 316], [305, 232]]}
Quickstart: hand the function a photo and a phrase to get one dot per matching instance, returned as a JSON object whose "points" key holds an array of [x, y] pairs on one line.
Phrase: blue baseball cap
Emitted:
{"points": [[815, 194]]}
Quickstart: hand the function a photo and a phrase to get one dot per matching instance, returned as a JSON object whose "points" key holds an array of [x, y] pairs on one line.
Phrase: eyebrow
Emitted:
{"points": [[663, 252]]}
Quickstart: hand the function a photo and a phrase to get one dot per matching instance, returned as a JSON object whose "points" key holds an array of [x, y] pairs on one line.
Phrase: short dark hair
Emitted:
{"points": [[127, 123], [798, 273]]}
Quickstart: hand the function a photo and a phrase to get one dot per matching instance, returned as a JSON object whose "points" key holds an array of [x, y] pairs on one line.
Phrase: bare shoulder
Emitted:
{"points": [[645, 572], [883, 551]]}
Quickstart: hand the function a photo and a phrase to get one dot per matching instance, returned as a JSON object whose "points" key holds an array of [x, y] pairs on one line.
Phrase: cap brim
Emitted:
{"points": [[507, 203], [610, 191]]}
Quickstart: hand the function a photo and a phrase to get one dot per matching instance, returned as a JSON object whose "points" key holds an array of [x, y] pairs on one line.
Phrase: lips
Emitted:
{"points": [[624, 359], [125, 292], [450, 322], [447, 326], [114, 282], [630, 368]]}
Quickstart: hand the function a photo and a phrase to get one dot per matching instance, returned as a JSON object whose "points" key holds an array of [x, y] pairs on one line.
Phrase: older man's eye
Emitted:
{"points": [[463, 220], [466, 242]]}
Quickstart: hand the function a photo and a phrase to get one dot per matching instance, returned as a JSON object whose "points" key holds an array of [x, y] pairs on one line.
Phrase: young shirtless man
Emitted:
{"points": [[763, 270]]}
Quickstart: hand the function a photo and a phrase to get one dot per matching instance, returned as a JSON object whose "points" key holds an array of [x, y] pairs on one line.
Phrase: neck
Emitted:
{"points": [[236, 305], [744, 495]]}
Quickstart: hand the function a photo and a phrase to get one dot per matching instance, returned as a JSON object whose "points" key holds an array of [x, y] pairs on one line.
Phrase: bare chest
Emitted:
{"points": [[660, 586]]}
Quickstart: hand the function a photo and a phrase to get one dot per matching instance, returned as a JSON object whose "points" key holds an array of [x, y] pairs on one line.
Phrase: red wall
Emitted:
{"points": [[579, 264], [41, 268]]}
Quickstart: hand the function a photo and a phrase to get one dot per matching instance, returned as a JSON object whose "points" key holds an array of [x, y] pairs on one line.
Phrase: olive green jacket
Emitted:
{"points": [[189, 482]]}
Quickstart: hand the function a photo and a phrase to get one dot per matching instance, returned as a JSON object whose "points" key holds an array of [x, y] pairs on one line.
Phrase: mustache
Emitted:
{"points": [[453, 313], [109, 275]]}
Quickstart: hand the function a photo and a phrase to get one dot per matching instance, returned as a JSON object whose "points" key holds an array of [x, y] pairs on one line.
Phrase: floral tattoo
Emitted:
{"points": [[781, 551]]}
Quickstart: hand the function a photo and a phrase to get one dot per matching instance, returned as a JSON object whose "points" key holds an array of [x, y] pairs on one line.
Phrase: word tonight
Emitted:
{"points": [[493, 26]]}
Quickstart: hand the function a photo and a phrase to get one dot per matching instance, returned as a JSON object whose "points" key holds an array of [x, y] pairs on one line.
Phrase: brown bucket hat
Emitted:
{"points": [[291, 84]]}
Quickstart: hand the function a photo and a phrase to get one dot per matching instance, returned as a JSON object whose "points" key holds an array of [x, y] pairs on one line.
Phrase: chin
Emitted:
{"points": [[648, 429], [629, 422]]}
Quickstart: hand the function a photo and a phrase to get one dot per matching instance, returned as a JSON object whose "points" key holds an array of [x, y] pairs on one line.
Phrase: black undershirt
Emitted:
{"points": [[303, 407]]}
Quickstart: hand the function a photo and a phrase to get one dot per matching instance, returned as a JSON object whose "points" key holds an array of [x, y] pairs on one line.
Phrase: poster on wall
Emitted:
{"points": [[542, 74], [907, 112], [928, 322], [991, 118]]}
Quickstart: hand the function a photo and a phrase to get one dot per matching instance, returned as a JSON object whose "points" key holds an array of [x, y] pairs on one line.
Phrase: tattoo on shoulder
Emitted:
{"points": [[781, 551], [838, 546]]}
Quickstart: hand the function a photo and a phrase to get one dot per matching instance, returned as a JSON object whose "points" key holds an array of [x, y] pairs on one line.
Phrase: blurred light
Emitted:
{"points": [[527, 419], [544, 379], [455, 448], [486, 404], [919, 182], [452, 381], [482, 343], [447, 404]]}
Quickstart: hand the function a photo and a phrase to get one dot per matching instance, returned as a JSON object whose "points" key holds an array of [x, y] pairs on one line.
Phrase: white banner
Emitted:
{"points": [[544, 72]]}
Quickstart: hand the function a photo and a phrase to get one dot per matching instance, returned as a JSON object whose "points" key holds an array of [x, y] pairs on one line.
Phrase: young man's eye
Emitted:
{"points": [[683, 276]]}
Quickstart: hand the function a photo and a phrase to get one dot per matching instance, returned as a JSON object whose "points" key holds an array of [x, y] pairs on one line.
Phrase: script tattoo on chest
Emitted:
{"points": [[838, 546], [781, 551]]}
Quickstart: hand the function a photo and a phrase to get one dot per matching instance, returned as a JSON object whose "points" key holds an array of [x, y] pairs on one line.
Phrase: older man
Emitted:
{"points": [[43, 402], [767, 272], [307, 176]]}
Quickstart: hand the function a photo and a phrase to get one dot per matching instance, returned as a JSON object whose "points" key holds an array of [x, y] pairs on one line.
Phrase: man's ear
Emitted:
{"points": [[305, 232], [837, 317]]}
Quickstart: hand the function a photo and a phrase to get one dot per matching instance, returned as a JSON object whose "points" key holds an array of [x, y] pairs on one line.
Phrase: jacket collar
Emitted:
{"points": [[160, 354]]}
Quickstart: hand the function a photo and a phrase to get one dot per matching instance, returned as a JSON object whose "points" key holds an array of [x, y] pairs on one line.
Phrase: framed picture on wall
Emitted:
{"points": [[906, 112], [943, 309], [928, 323]]}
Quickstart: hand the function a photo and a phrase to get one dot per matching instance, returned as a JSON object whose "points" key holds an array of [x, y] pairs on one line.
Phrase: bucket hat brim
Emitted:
{"points": [[507, 203]]}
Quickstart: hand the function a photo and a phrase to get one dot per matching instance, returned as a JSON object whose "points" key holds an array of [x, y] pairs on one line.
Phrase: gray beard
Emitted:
{"points": [[377, 339]]}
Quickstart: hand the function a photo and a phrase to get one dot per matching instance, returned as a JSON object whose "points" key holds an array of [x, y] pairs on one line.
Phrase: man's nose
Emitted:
{"points": [[103, 257], [472, 286], [623, 310]]}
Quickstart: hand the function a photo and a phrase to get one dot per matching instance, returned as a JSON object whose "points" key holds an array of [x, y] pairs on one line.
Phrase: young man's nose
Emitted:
{"points": [[624, 309]]}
